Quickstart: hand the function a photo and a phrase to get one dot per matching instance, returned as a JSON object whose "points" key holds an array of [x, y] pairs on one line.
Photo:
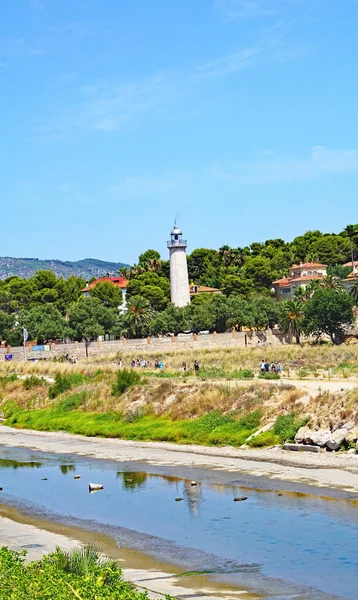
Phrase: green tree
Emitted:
{"points": [[44, 323], [44, 279], [331, 249], [327, 312], [173, 320], [88, 319], [292, 318], [238, 285], [332, 283], [109, 294], [151, 286], [352, 232], [140, 316]]}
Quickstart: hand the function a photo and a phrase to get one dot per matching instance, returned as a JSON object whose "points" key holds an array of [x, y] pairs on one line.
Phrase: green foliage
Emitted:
{"points": [[63, 383], [109, 294], [125, 379], [72, 402], [242, 374], [44, 323], [5, 379], [269, 375], [292, 318], [33, 381], [88, 319], [266, 438], [286, 427], [327, 312], [62, 575], [214, 428]]}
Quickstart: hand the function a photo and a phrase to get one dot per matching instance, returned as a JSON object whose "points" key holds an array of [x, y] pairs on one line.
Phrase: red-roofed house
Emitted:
{"points": [[121, 282], [300, 276]]}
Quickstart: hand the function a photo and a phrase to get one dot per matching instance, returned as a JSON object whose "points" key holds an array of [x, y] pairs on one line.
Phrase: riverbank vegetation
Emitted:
{"points": [[227, 405], [63, 575]]}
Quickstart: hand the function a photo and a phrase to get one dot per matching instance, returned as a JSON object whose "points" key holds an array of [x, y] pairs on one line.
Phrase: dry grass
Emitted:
{"points": [[308, 359]]}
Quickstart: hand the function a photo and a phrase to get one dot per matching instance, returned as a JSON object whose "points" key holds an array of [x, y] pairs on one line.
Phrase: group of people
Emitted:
{"points": [[142, 363], [72, 359], [267, 367]]}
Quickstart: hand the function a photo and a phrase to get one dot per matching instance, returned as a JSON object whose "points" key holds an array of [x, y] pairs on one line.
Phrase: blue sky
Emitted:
{"points": [[237, 116]]}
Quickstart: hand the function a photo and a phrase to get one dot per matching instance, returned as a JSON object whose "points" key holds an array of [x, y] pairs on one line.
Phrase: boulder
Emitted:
{"points": [[320, 438], [316, 438], [302, 448], [352, 434], [351, 451], [337, 438]]}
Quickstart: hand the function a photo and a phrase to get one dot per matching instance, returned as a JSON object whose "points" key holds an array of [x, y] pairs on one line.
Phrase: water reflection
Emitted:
{"points": [[67, 469], [17, 464], [292, 535]]}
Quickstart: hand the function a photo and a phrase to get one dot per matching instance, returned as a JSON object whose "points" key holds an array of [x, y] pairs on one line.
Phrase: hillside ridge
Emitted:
{"points": [[86, 267]]}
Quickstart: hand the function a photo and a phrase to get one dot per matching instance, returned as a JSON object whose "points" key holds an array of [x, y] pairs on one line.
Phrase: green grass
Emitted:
{"points": [[211, 429], [63, 383], [283, 430], [62, 575], [124, 380], [33, 381]]}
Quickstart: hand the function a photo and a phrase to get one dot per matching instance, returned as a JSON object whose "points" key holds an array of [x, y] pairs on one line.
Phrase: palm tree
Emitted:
{"points": [[300, 294], [291, 321], [314, 285], [140, 315], [353, 290], [225, 253], [332, 282], [352, 232]]}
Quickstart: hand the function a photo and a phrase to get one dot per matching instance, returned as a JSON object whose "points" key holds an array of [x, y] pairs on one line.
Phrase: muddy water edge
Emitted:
{"points": [[286, 541]]}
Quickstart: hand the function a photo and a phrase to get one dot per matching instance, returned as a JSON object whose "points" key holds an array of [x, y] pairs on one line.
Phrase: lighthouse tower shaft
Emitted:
{"points": [[179, 280]]}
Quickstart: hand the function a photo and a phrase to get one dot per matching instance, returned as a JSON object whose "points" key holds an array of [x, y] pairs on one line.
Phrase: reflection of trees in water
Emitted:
{"points": [[132, 479], [67, 469], [194, 497], [16, 464]]}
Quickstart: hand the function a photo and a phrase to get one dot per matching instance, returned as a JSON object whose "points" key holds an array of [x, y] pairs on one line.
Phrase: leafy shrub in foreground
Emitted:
{"points": [[269, 376], [64, 576], [72, 402], [63, 383], [266, 438], [286, 426], [124, 380], [5, 379], [33, 381], [242, 374]]}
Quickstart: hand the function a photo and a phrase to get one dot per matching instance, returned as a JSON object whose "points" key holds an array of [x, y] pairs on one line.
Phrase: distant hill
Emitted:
{"points": [[86, 268]]}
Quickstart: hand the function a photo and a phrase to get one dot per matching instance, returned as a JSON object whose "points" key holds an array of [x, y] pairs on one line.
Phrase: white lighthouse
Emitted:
{"points": [[179, 280]]}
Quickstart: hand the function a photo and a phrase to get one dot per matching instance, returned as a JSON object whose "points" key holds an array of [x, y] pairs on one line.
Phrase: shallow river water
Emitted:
{"points": [[296, 538]]}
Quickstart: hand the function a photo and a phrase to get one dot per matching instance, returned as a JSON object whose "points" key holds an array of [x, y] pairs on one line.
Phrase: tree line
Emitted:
{"points": [[54, 308]]}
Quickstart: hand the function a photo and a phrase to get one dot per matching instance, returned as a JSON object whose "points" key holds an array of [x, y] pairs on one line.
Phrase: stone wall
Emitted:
{"points": [[164, 344]]}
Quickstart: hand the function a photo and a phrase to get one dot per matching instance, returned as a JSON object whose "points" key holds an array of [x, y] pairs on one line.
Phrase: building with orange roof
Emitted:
{"points": [[121, 282], [202, 289], [300, 276]]}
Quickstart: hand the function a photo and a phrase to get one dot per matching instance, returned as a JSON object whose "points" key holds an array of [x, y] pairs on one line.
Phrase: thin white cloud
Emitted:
{"points": [[226, 64], [245, 9], [266, 170], [259, 9]]}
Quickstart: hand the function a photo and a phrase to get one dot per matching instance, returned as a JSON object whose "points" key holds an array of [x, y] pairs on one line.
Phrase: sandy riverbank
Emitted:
{"points": [[324, 470], [39, 537]]}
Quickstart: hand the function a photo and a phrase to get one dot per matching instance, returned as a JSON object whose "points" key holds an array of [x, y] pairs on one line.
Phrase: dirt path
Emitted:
{"points": [[337, 471]]}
